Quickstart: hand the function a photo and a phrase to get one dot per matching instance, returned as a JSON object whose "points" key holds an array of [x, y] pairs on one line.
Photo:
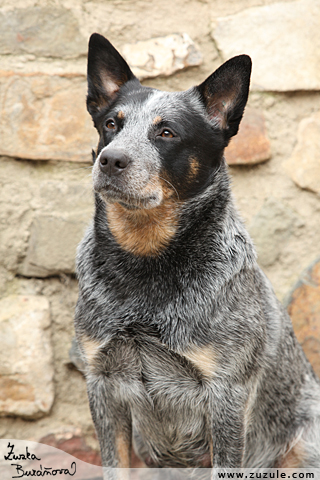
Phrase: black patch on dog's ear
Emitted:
{"points": [[107, 72], [225, 94]]}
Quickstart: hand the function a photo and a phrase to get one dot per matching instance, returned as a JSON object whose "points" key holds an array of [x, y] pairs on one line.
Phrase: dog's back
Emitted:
{"points": [[188, 351]]}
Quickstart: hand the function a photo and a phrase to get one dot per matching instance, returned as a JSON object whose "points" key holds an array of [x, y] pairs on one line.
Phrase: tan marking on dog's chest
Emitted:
{"points": [[145, 231], [90, 348], [203, 358], [294, 458]]}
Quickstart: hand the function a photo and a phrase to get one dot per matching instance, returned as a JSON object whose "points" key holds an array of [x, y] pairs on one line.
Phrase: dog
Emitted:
{"points": [[190, 358]]}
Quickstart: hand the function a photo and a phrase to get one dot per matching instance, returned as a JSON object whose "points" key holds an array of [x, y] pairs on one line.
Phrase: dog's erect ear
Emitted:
{"points": [[107, 72], [225, 94]]}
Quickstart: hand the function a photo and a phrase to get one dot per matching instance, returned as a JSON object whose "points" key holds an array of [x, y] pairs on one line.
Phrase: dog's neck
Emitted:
{"points": [[143, 232]]}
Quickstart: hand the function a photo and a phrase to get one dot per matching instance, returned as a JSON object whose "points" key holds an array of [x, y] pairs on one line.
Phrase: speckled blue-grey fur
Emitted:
{"points": [[139, 316]]}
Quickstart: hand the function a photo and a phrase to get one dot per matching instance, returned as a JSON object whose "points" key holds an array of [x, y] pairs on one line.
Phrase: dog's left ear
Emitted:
{"points": [[107, 72], [225, 94]]}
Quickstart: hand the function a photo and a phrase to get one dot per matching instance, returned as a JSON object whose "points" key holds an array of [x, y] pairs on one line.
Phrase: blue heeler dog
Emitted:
{"points": [[190, 358]]}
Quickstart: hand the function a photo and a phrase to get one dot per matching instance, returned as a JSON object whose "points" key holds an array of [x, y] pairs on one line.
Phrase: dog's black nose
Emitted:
{"points": [[113, 162]]}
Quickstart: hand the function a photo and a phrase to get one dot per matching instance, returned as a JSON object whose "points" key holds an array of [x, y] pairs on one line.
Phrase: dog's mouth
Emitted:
{"points": [[128, 200]]}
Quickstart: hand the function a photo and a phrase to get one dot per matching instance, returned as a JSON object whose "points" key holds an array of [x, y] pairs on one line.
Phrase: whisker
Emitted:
{"points": [[171, 186]]}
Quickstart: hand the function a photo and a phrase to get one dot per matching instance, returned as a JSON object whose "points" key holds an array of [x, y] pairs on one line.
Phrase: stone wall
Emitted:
{"points": [[46, 137]]}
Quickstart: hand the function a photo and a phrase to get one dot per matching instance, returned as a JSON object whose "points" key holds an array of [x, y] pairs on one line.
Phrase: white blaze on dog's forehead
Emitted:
{"points": [[170, 106], [139, 112], [173, 105]]}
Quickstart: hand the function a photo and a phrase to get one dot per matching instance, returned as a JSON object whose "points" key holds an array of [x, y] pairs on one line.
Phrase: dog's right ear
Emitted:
{"points": [[107, 72]]}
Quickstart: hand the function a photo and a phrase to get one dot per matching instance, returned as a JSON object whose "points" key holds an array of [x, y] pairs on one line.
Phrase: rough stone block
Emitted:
{"points": [[45, 189], [283, 40], [46, 31], [304, 309], [270, 230], [304, 164], [44, 118], [53, 243], [162, 55], [26, 370], [251, 145]]}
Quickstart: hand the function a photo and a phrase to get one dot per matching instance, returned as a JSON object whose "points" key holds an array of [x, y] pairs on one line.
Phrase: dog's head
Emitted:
{"points": [[153, 143], [157, 147]]}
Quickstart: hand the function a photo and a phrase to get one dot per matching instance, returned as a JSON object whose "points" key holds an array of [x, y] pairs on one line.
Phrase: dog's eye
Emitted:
{"points": [[166, 134], [111, 125]]}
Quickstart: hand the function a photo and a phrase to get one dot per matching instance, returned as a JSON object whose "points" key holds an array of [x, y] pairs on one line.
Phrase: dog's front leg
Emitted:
{"points": [[112, 421], [228, 425]]}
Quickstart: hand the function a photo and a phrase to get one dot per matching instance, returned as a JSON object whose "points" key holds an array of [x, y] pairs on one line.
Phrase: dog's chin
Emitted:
{"points": [[129, 201]]}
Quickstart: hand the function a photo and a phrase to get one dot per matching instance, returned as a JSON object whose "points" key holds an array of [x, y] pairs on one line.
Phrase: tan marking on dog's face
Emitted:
{"points": [[120, 115], [294, 458], [123, 449], [90, 348], [193, 168], [203, 358], [145, 231], [157, 120]]}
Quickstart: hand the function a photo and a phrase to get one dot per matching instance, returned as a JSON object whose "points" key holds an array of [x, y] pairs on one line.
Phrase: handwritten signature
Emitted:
{"points": [[34, 472]]}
